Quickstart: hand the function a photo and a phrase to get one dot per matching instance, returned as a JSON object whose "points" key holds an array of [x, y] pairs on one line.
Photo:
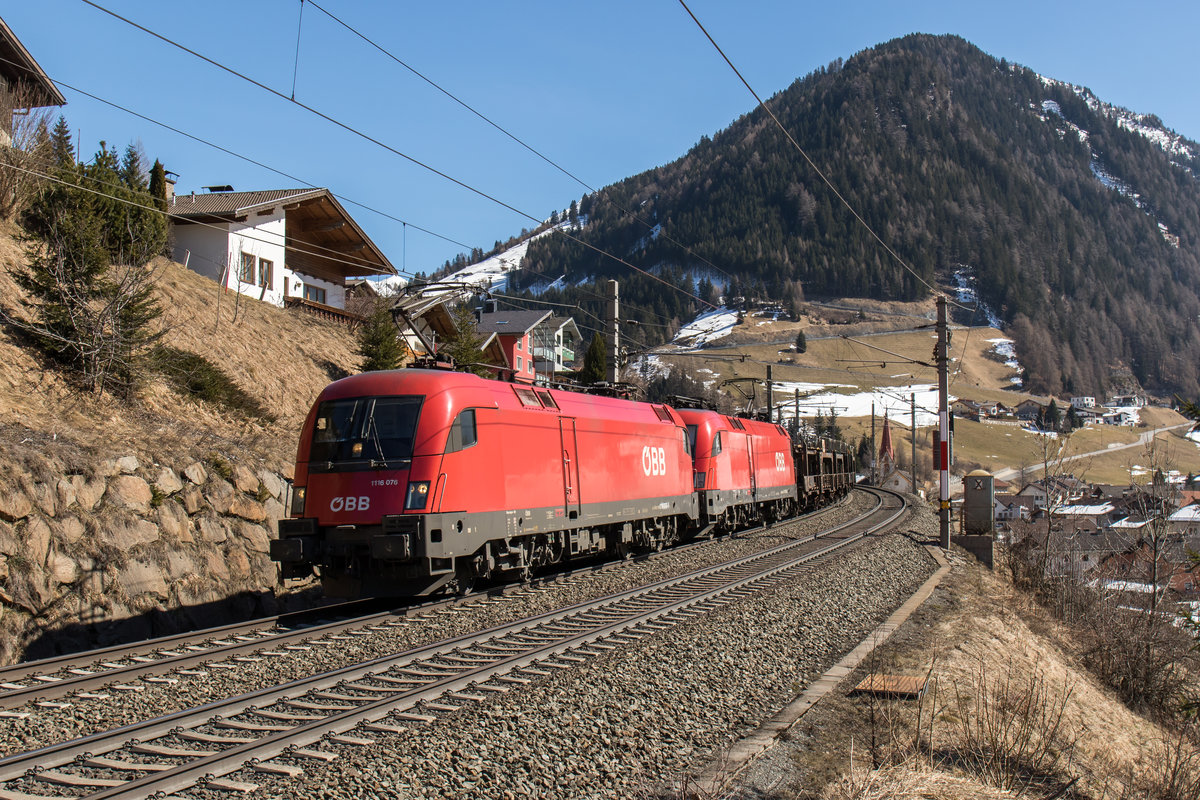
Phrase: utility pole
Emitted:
{"points": [[912, 399], [942, 358], [614, 334], [770, 396], [874, 475]]}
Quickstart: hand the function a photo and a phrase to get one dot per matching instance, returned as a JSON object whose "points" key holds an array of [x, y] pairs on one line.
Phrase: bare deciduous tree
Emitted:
{"points": [[27, 156]]}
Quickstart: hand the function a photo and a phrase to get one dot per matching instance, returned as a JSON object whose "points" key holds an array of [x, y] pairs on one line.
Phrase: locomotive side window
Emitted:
{"points": [[717, 444], [692, 432], [364, 433], [462, 432]]}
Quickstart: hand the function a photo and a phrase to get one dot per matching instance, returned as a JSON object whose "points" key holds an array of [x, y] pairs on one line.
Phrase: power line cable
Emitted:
{"points": [[506, 132], [810, 162], [285, 245], [296, 63], [367, 137], [247, 159]]}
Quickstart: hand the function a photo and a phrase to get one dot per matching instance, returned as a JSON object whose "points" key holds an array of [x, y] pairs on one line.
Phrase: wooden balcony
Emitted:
{"points": [[322, 311]]}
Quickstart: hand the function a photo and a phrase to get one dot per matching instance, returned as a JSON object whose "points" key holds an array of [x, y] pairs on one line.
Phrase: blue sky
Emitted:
{"points": [[604, 89]]}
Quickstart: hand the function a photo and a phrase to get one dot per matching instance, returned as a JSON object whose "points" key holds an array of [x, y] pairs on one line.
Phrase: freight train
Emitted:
{"points": [[415, 481]]}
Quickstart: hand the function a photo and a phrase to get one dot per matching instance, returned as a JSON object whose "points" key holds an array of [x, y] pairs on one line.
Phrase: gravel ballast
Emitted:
{"points": [[638, 717], [142, 700]]}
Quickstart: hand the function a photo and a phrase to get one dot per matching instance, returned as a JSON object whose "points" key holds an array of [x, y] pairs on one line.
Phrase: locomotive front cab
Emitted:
{"points": [[370, 477], [354, 474]]}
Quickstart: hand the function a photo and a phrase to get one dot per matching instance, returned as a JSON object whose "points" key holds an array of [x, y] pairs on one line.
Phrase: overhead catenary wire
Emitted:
{"points": [[506, 132], [787, 134], [379, 143], [248, 159]]}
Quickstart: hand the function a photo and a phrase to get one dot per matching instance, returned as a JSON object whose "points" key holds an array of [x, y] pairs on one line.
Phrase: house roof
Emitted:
{"points": [[322, 238], [1129, 523], [1186, 514], [1084, 511], [363, 285], [516, 323], [1100, 541], [18, 66], [222, 204], [559, 323]]}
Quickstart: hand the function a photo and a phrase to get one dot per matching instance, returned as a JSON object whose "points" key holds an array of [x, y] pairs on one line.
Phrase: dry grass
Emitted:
{"points": [[1005, 678], [279, 358], [910, 780]]}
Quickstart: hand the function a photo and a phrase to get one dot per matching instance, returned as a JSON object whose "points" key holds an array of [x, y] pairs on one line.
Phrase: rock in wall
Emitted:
{"points": [[123, 549]]}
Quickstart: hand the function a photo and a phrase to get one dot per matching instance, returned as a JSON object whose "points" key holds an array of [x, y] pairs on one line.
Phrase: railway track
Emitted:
{"points": [[199, 745], [91, 673]]}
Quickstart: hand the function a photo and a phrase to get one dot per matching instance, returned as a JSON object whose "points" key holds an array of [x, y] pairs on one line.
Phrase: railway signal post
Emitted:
{"points": [[943, 450]]}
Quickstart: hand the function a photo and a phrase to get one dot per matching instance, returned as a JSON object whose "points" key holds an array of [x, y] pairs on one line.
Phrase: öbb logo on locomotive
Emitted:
{"points": [[654, 460], [360, 503]]}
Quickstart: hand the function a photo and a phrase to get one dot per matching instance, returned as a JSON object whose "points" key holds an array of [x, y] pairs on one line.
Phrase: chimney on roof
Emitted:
{"points": [[172, 179]]}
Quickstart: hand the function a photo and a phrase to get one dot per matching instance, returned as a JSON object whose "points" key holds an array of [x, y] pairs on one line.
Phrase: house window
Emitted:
{"points": [[265, 276], [314, 294], [247, 273], [520, 365]]}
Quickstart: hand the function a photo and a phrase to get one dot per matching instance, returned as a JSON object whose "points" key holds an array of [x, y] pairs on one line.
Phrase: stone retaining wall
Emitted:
{"points": [[128, 549]]}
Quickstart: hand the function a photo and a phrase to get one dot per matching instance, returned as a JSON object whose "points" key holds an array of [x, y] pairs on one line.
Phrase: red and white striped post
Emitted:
{"points": [[943, 454]]}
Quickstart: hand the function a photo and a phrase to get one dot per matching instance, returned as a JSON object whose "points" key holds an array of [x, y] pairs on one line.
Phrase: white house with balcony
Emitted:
{"points": [[284, 246], [555, 341]]}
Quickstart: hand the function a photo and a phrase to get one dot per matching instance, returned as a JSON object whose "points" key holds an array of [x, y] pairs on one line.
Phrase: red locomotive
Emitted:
{"points": [[744, 469], [414, 481]]}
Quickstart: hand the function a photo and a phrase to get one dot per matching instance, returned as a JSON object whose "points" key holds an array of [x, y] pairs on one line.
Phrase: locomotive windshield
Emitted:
{"points": [[364, 433]]}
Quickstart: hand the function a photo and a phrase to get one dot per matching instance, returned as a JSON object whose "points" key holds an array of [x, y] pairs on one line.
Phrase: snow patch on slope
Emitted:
{"points": [[707, 327], [1124, 119]]}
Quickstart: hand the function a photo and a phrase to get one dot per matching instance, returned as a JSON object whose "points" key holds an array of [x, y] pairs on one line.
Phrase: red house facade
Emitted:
{"points": [[514, 330]]}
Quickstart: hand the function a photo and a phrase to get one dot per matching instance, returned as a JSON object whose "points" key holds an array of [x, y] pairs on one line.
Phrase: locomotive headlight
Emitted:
{"points": [[298, 495], [418, 493]]}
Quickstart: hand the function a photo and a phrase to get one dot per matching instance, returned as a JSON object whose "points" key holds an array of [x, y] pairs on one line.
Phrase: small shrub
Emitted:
{"points": [[220, 466], [263, 494], [157, 496], [195, 376]]}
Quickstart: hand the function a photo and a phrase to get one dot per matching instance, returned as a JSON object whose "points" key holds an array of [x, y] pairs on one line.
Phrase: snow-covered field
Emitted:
{"points": [[890, 401], [491, 274]]}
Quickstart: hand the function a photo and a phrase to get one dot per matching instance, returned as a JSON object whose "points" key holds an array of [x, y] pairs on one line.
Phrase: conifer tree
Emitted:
{"points": [[466, 346], [62, 150], [801, 342], [89, 289], [379, 346], [595, 362]]}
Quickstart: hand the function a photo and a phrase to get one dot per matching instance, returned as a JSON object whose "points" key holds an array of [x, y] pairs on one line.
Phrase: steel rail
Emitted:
{"points": [[94, 669], [675, 600]]}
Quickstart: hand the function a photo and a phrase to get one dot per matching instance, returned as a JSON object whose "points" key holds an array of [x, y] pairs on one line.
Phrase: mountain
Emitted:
{"points": [[1079, 221]]}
